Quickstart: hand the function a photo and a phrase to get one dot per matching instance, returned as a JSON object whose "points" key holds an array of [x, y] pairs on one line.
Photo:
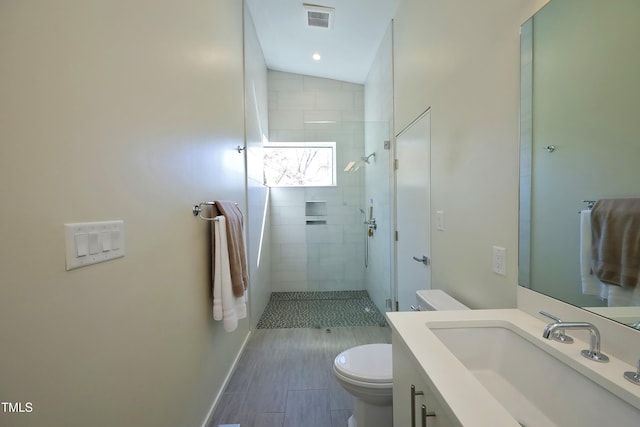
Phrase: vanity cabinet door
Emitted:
{"points": [[406, 373]]}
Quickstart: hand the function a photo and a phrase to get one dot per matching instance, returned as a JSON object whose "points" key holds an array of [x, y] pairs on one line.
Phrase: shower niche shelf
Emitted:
{"points": [[315, 208], [316, 212]]}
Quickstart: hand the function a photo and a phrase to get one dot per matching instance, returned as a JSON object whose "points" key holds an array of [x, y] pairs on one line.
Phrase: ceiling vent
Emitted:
{"points": [[318, 16]]}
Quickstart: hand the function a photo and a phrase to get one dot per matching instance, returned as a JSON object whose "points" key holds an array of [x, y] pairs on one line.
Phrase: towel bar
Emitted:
{"points": [[197, 210]]}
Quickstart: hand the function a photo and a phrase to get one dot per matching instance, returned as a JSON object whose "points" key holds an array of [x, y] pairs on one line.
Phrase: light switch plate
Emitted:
{"points": [[104, 241]]}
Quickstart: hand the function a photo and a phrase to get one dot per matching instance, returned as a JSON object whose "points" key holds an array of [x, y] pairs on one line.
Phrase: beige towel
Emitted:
{"points": [[615, 226], [235, 242]]}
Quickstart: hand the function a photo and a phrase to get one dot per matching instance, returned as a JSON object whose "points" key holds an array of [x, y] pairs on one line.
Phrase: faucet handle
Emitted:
{"points": [[559, 336], [550, 316], [634, 377]]}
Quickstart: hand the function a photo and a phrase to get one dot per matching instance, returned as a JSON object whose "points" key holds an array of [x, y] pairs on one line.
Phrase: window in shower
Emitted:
{"points": [[300, 164]]}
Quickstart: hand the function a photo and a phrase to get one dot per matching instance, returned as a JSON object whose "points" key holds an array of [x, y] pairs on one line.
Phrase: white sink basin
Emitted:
{"points": [[535, 387]]}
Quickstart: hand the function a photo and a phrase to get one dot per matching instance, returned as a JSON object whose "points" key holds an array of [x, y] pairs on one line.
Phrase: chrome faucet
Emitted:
{"points": [[594, 340], [559, 335]]}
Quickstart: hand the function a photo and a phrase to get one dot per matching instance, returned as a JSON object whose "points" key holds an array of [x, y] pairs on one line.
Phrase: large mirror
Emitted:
{"points": [[580, 139]]}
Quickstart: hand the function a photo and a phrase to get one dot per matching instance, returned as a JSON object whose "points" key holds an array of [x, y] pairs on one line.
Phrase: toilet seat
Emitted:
{"points": [[368, 365]]}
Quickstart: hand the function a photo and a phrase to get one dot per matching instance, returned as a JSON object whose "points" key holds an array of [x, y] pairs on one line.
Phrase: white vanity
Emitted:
{"points": [[494, 368]]}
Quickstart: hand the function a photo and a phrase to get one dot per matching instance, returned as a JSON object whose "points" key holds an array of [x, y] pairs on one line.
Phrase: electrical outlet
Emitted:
{"points": [[500, 260]]}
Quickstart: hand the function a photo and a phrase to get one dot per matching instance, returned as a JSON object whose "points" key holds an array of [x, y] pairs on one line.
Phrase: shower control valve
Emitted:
{"points": [[371, 223]]}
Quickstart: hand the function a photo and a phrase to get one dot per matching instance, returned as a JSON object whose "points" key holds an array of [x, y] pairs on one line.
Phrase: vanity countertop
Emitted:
{"points": [[467, 398]]}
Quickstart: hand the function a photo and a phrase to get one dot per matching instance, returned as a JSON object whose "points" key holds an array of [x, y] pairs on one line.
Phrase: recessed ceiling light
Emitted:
{"points": [[316, 56]]}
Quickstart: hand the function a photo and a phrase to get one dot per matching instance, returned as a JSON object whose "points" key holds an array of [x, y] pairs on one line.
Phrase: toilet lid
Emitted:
{"points": [[367, 363]]}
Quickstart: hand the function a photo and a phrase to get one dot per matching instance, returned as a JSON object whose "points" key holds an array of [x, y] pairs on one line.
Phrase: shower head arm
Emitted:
{"points": [[366, 158], [354, 165]]}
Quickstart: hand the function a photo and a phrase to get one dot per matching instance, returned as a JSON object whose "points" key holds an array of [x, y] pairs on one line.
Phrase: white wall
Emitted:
{"points": [[257, 131], [461, 58], [378, 107], [318, 257], [116, 110]]}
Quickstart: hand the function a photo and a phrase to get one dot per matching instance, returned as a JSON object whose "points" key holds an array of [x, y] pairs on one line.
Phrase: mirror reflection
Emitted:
{"points": [[580, 142]]}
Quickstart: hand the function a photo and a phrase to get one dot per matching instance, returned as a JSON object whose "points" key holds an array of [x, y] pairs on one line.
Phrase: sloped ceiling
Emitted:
{"points": [[347, 49]]}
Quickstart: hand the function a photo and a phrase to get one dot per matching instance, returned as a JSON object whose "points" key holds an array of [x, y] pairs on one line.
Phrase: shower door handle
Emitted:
{"points": [[424, 259]]}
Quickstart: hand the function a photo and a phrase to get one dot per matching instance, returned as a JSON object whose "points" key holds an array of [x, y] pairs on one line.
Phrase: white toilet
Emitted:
{"points": [[366, 371]]}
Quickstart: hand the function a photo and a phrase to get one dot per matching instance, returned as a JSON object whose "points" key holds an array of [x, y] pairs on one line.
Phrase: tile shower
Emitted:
{"points": [[317, 232], [316, 256], [318, 236]]}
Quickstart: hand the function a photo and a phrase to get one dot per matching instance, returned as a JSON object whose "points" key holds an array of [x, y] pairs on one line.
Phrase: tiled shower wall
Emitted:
{"points": [[329, 256]]}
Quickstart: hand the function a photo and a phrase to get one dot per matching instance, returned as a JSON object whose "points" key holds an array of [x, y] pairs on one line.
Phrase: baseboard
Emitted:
{"points": [[214, 404]]}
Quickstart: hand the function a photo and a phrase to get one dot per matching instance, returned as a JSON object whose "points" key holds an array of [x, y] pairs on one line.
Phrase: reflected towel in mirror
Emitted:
{"points": [[591, 285], [615, 233]]}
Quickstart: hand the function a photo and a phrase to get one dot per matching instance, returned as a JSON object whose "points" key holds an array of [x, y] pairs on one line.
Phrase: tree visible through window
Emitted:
{"points": [[299, 164]]}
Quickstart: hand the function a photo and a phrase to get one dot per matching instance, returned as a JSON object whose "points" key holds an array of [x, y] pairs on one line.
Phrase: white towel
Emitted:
{"points": [[617, 296], [591, 285], [226, 307]]}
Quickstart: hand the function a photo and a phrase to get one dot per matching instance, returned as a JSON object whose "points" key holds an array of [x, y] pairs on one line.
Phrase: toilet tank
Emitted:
{"points": [[437, 299]]}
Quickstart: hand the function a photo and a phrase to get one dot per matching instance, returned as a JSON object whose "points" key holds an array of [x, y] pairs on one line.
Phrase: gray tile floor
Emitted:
{"points": [[284, 378]]}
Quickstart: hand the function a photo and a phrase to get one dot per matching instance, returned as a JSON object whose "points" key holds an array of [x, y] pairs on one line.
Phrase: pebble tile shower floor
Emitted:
{"points": [[320, 310]]}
